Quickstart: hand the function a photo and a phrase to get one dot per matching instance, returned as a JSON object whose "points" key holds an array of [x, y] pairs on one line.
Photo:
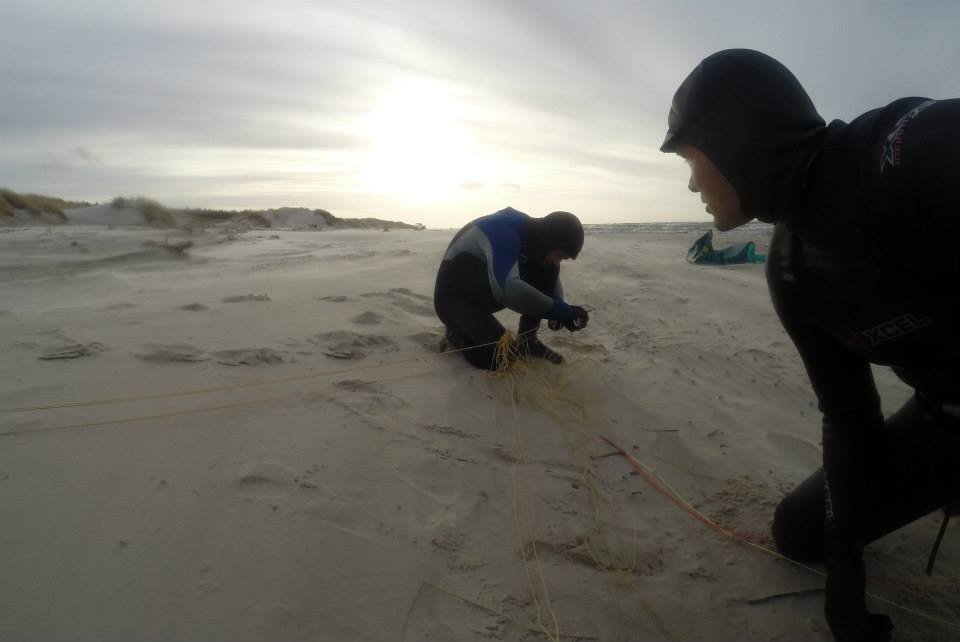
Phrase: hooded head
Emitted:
{"points": [[555, 231], [749, 115]]}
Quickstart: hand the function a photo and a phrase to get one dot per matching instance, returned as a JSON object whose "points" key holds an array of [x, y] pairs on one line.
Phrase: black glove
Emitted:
{"points": [[577, 319], [554, 324], [846, 614]]}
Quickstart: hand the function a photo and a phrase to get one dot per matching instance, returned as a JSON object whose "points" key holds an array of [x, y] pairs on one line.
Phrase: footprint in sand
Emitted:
{"points": [[674, 451], [798, 451], [56, 345], [121, 306], [73, 351], [263, 479], [194, 307], [248, 357], [432, 341], [333, 299], [242, 298], [367, 318], [343, 344], [576, 346], [407, 300], [160, 353], [367, 398]]}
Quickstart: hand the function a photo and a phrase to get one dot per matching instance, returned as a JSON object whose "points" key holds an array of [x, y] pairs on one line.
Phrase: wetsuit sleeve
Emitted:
{"points": [[520, 296], [502, 253], [558, 289]]}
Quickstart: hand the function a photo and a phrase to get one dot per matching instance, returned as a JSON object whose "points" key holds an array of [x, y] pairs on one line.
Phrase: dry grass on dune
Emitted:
{"points": [[35, 204], [153, 212], [206, 216]]}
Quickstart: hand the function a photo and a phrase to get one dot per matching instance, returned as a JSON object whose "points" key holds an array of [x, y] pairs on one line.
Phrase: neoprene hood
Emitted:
{"points": [[555, 231], [754, 121]]}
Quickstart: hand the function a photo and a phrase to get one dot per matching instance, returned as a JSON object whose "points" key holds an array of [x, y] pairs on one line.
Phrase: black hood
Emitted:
{"points": [[751, 117], [555, 231]]}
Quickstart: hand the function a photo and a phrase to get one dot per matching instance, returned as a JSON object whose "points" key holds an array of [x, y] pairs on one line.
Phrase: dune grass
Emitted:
{"points": [[35, 204], [157, 215], [153, 212], [206, 217]]}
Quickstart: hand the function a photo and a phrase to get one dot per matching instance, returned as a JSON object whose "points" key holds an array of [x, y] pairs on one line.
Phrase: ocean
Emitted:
{"points": [[676, 227]]}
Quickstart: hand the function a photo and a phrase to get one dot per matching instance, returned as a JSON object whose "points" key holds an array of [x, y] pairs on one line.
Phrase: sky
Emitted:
{"points": [[430, 111]]}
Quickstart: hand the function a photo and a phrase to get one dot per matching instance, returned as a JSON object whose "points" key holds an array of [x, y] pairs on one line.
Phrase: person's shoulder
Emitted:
{"points": [[883, 126], [510, 214], [503, 229], [505, 219]]}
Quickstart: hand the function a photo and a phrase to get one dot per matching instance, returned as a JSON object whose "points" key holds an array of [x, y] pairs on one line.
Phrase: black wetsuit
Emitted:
{"points": [[864, 268], [867, 271]]}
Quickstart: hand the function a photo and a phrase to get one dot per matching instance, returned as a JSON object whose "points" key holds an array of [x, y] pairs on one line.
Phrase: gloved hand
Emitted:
{"points": [[554, 324], [577, 319], [846, 614]]}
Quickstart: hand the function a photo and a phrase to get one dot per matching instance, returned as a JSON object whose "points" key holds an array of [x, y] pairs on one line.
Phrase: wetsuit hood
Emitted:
{"points": [[754, 121], [555, 231]]}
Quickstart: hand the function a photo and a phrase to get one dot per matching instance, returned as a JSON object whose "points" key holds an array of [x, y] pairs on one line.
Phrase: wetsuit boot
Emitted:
{"points": [[530, 345]]}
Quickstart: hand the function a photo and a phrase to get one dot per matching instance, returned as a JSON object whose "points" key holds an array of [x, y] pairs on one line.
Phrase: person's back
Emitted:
{"points": [[869, 251]]}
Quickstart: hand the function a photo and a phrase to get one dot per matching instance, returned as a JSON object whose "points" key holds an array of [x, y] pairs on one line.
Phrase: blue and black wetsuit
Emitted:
{"points": [[495, 262], [864, 268]]}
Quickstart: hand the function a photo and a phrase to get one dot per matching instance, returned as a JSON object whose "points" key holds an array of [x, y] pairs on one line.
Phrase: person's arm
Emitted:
{"points": [[520, 296], [850, 404], [502, 251]]}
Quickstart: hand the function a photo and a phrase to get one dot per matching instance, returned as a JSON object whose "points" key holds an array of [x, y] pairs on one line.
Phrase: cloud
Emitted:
{"points": [[84, 154], [570, 96]]}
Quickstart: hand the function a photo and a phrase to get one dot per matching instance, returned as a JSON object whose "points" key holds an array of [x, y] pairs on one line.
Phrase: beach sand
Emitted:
{"points": [[333, 477]]}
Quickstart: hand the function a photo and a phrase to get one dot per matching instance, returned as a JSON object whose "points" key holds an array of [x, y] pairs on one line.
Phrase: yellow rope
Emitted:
{"points": [[237, 386], [199, 410], [550, 392], [483, 607], [559, 402], [505, 356], [678, 498]]}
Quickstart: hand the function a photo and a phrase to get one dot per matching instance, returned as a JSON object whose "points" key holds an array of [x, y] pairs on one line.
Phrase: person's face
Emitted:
{"points": [[553, 257], [722, 200]]}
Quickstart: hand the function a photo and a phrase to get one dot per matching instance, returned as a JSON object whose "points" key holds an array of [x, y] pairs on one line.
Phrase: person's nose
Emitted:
{"points": [[692, 186]]}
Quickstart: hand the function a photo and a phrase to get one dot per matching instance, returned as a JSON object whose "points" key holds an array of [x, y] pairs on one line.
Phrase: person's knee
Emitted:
{"points": [[798, 530], [483, 358]]}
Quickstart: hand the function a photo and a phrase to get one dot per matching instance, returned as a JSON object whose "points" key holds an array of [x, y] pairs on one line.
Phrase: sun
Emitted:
{"points": [[420, 150]]}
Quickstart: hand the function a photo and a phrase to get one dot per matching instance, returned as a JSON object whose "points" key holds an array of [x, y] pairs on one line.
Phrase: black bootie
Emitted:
{"points": [[530, 345]]}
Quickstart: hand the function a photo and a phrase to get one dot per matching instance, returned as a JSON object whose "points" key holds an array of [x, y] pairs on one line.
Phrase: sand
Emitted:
{"points": [[333, 477]]}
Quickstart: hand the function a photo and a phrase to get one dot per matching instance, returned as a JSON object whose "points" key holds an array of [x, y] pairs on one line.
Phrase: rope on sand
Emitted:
{"points": [[508, 365], [663, 487], [507, 353], [236, 386], [482, 607], [238, 404]]}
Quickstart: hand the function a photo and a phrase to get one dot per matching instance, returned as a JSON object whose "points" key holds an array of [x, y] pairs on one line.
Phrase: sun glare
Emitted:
{"points": [[420, 149]]}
